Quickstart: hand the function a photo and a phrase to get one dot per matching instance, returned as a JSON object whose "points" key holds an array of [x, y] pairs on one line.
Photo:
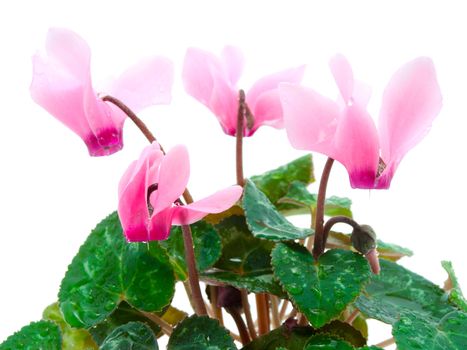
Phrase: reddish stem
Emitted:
{"points": [[198, 301], [319, 242]]}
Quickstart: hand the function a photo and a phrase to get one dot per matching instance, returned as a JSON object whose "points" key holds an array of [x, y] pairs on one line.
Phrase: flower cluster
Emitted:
{"points": [[150, 189]]}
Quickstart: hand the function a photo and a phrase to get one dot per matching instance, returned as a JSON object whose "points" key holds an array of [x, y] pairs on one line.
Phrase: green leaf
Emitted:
{"points": [[386, 251], [455, 293], [131, 336], [396, 290], [121, 316], [290, 338], [200, 333], [264, 220], [255, 281], [275, 183], [207, 246], [321, 291], [391, 251], [414, 331], [37, 335], [241, 251], [344, 331], [72, 338], [359, 323], [325, 342], [299, 196], [245, 261], [108, 270]]}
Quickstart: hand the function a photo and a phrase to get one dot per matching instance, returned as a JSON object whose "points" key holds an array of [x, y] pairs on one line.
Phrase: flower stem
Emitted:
{"points": [[239, 138], [276, 322], [352, 316], [240, 324], [198, 301], [144, 129], [385, 343], [320, 242], [139, 123], [334, 220], [216, 309], [263, 313], [166, 328], [247, 311], [284, 306]]}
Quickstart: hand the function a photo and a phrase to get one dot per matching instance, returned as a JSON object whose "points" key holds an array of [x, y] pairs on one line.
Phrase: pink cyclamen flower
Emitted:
{"points": [[149, 189], [346, 132], [62, 85], [213, 81]]}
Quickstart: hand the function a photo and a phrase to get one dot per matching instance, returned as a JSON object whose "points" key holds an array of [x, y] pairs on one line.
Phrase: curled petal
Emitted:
{"points": [[343, 75], [174, 173], [310, 119], [205, 79], [160, 225], [132, 195], [62, 85], [132, 207], [263, 97], [411, 101], [357, 146], [147, 83], [233, 61], [216, 203], [61, 96], [70, 52]]}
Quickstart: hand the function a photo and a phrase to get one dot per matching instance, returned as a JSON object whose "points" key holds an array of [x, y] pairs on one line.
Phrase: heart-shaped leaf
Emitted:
{"points": [[133, 335], [414, 331], [275, 183], [325, 342], [322, 290], [200, 333], [245, 261], [299, 196], [293, 338], [255, 282], [207, 246], [121, 316], [397, 290], [72, 338], [37, 335], [264, 220], [108, 270]]}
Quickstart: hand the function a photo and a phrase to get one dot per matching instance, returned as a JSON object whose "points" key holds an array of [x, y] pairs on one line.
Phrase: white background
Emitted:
{"points": [[52, 193]]}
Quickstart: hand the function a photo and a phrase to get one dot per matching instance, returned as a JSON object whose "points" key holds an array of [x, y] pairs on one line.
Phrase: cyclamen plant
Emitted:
{"points": [[313, 288]]}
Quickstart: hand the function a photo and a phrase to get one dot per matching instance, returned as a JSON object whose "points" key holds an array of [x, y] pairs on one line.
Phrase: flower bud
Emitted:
{"points": [[363, 239]]}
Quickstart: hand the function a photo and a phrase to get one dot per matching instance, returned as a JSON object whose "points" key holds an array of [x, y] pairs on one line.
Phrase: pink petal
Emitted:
{"points": [[342, 72], [206, 79], [67, 49], [132, 195], [147, 83], [174, 173], [60, 94], [264, 100], [309, 118], [160, 225], [411, 101], [233, 61], [62, 85], [268, 111], [224, 104], [216, 203], [357, 146]]}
